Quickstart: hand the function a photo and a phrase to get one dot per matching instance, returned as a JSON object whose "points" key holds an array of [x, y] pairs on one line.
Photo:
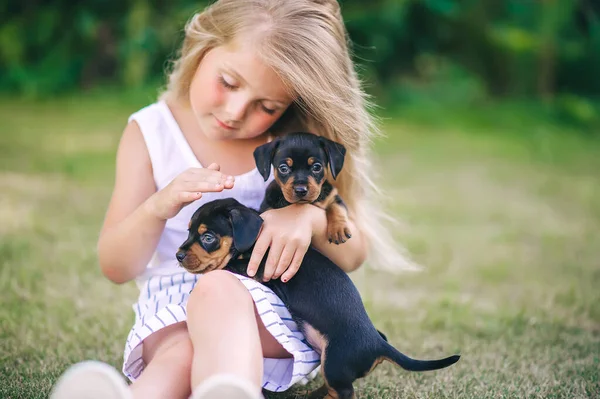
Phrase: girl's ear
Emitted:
{"points": [[263, 157], [335, 155], [246, 225]]}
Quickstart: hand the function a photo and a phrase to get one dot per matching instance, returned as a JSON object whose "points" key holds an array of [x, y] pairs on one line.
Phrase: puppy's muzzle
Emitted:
{"points": [[180, 255], [300, 190]]}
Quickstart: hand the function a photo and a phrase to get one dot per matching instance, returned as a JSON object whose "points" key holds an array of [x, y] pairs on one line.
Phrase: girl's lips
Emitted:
{"points": [[224, 126]]}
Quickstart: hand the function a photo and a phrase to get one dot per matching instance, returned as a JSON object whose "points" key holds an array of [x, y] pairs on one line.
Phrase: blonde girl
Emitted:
{"points": [[248, 70]]}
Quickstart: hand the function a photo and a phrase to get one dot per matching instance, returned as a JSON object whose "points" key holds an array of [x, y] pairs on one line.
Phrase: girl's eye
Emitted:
{"points": [[268, 110], [317, 167], [225, 83], [284, 169], [207, 238]]}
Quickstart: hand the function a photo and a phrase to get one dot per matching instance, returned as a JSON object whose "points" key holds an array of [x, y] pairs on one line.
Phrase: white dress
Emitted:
{"points": [[165, 286]]}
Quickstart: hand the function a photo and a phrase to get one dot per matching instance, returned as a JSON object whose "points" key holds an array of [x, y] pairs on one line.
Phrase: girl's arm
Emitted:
{"points": [[350, 255], [130, 231], [137, 213]]}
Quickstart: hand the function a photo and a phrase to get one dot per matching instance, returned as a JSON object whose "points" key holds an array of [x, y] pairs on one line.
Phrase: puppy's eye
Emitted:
{"points": [[317, 167], [207, 238], [284, 169]]}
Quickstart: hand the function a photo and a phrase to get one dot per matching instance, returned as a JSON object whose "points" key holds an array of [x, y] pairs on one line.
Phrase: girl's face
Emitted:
{"points": [[236, 96]]}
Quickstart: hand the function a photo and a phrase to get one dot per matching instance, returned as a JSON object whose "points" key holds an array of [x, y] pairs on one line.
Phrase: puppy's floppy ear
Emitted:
{"points": [[263, 157], [335, 155], [246, 225]]}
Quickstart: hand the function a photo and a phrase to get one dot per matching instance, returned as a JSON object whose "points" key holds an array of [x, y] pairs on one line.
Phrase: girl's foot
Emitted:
{"points": [[91, 380], [226, 386]]}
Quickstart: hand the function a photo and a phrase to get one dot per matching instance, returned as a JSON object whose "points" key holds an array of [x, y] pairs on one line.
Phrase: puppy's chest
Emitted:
{"points": [[274, 198]]}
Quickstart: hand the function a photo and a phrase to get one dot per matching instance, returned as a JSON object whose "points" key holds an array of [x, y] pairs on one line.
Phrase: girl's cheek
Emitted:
{"points": [[215, 94], [207, 94], [263, 121]]}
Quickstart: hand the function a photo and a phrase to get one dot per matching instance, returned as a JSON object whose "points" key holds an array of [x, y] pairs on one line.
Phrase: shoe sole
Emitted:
{"points": [[90, 380], [226, 387]]}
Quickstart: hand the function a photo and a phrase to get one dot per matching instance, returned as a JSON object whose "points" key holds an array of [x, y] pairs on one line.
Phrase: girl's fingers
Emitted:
{"points": [[258, 253], [212, 168], [284, 261], [229, 181], [206, 172], [294, 266], [208, 178], [272, 261], [203, 186], [187, 197], [203, 175]]}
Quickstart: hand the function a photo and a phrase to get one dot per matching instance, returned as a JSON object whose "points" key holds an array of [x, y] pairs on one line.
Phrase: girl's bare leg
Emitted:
{"points": [[224, 335], [168, 357], [228, 336]]}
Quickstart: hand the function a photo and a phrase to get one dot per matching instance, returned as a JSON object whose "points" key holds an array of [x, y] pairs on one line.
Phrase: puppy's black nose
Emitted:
{"points": [[180, 255], [300, 190]]}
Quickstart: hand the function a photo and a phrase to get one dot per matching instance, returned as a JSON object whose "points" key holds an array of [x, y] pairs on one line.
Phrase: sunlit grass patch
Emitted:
{"points": [[505, 225]]}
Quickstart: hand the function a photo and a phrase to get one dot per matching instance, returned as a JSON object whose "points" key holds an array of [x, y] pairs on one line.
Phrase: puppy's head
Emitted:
{"points": [[218, 231], [299, 161]]}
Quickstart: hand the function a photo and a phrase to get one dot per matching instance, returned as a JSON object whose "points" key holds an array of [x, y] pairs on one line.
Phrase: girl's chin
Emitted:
{"points": [[215, 132], [212, 131], [219, 134]]}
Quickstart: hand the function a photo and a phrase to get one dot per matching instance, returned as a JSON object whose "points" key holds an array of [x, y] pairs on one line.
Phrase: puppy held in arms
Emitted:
{"points": [[300, 162], [321, 297]]}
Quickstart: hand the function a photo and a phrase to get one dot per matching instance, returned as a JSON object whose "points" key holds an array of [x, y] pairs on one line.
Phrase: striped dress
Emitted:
{"points": [[165, 287]]}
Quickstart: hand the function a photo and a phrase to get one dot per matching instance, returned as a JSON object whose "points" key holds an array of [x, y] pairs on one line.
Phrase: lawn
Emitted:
{"points": [[504, 217]]}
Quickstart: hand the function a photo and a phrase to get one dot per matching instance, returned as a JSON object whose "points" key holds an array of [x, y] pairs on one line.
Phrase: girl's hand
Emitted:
{"points": [[187, 188], [288, 233]]}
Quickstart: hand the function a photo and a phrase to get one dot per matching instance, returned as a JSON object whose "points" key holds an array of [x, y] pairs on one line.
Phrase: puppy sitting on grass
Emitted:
{"points": [[300, 161]]}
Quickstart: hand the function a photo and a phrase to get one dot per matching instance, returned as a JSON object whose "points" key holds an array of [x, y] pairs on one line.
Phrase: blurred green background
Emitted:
{"points": [[491, 160], [464, 51]]}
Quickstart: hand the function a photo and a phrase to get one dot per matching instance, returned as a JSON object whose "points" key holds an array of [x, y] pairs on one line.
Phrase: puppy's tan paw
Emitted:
{"points": [[338, 232]]}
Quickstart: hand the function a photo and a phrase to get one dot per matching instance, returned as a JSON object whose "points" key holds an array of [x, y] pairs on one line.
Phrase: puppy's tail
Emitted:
{"points": [[410, 364]]}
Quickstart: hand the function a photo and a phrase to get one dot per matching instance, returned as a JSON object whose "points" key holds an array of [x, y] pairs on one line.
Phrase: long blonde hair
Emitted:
{"points": [[307, 45]]}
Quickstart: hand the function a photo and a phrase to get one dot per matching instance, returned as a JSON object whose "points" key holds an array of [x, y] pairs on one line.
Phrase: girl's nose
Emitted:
{"points": [[236, 107]]}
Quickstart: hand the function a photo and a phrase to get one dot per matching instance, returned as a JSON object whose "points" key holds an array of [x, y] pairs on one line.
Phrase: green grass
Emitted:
{"points": [[504, 217]]}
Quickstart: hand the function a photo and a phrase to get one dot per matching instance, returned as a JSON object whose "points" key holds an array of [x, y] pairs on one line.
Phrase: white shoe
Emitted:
{"points": [[226, 386], [91, 380]]}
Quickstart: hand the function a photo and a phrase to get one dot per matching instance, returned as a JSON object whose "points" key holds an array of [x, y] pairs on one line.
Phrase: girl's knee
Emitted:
{"points": [[218, 287], [172, 340], [168, 355]]}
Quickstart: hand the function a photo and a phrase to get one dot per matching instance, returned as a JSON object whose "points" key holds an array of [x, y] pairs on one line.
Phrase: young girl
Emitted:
{"points": [[248, 70]]}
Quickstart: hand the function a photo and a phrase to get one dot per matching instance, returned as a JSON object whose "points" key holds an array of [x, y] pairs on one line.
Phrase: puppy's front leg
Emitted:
{"points": [[274, 198], [337, 214], [337, 221]]}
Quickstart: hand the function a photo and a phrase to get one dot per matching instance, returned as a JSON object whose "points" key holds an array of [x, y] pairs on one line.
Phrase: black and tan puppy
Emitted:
{"points": [[321, 297], [300, 162]]}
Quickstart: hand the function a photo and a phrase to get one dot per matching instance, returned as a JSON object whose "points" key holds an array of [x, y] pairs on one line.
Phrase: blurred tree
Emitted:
{"points": [[517, 48]]}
